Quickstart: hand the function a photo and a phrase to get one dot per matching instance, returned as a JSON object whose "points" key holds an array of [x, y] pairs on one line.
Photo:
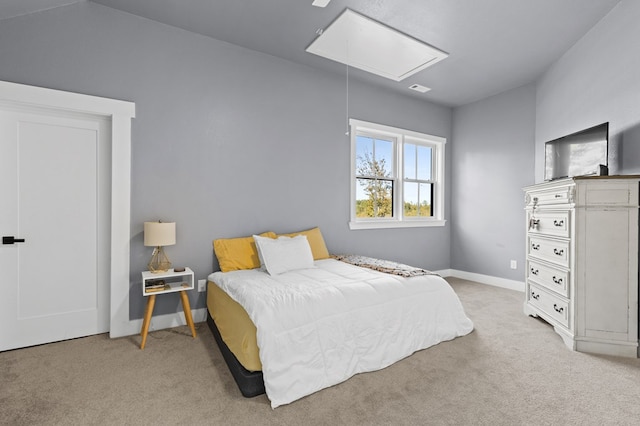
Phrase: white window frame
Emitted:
{"points": [[401, 136]]}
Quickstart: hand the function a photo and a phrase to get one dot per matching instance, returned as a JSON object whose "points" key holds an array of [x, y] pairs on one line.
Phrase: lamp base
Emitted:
{"points": [[159, 261]]}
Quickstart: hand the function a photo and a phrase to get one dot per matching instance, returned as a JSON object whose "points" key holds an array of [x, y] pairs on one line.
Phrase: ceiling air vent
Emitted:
{"points": [[366, 44], [419, 88], [320, 3]]}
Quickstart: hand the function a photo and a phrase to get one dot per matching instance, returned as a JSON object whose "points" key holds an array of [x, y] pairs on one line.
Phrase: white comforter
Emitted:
{"points": [[318, 327]]}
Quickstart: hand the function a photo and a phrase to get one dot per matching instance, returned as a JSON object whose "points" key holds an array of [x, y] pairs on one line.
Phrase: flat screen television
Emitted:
{"points": [[578, 154]]}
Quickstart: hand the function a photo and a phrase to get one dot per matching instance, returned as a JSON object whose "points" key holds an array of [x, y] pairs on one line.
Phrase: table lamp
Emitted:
{"points": [[159, 234]]}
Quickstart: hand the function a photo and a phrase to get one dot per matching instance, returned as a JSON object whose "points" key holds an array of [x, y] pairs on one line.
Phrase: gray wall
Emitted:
{"points": [[499, 141], [492, 160], [226, 141], [597, 80]]}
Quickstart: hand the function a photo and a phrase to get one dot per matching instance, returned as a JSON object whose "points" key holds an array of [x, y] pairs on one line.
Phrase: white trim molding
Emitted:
{"points": [[483, 279], [120, 113], [384, 224]]}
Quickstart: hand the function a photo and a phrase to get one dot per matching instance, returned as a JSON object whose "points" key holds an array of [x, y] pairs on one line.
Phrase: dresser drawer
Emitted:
{"points": [[555, 251], [549, 223], [553, 306], [552, 196], [549, 277]]}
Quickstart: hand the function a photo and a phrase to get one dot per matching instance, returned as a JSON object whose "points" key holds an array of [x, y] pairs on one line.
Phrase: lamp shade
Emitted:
{"points": [[158, 234]]}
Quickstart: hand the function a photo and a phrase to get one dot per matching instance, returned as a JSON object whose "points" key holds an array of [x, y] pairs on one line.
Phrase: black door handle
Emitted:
{"points": [[11, 240]]}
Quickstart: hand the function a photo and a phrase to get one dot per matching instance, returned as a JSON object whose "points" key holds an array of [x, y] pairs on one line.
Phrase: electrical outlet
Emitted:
{"points": [[514, 264], [202, 285]]}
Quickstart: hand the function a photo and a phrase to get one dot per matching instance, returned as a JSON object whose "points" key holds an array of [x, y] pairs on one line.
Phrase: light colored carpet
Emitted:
{"points": [[511, 370]]}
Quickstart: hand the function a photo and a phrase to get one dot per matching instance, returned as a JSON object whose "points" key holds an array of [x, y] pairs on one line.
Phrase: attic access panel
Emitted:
{"points": [[361, 42]]}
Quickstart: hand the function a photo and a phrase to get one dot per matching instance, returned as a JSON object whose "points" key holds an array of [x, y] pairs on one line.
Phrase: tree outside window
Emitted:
{"points": [[375, 178]]}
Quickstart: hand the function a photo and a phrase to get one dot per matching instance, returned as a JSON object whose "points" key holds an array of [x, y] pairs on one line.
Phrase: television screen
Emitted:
{"points": [[578, 154]]}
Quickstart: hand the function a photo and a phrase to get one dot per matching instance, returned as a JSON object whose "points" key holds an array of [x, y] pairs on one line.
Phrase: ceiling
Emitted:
{"points": [[493, 45]]}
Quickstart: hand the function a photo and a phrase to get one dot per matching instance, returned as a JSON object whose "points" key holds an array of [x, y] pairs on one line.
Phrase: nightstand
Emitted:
{"points": [[154, 284]]}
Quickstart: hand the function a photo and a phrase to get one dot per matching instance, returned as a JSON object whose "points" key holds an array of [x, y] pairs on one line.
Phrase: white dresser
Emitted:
{"points": [[582, 261]]}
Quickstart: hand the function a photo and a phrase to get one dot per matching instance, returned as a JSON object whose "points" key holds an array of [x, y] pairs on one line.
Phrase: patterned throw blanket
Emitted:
{"points": [[386, 266]]}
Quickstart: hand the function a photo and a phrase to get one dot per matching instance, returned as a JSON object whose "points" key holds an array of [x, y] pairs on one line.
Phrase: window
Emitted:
{"points": [[397, 177]]}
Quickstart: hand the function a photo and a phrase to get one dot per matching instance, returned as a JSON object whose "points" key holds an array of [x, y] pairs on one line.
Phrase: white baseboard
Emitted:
{"points": [[160, 322], [484, 279]]}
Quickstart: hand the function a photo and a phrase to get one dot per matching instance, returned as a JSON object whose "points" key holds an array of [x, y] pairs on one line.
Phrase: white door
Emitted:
{"points": [[55, 185]]}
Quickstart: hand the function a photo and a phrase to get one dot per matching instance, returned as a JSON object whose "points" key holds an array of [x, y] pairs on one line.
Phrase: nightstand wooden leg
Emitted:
{"points": [[186, 307], [147, 319]]}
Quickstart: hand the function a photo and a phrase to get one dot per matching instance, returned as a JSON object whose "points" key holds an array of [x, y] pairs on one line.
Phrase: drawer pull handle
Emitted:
{"points": [[558, 252], [558, 309], [535, 296], [558, 223], [534, 271], [558, 195], [557, 280], [535, 246]]}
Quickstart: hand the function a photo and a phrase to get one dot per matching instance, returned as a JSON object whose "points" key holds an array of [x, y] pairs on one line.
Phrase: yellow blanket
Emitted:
{"points": [[235, 326]]}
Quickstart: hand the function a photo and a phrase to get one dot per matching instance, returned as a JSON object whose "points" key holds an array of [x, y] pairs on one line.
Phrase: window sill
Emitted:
{"points": [[395, 224]]}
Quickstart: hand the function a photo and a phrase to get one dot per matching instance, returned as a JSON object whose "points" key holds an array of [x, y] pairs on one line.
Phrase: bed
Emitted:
{"points": [[290, 324]]}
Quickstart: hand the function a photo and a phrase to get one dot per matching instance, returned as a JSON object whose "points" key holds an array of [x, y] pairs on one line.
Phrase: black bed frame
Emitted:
{"points": [[250, 383]]}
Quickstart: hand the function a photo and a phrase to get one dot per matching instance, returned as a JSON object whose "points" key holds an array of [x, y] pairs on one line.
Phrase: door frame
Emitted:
{"points": [[120, 113]]}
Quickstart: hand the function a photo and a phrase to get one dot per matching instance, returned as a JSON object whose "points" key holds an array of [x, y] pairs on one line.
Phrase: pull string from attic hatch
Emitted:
{"points": [[347, 108], [347, 90]]}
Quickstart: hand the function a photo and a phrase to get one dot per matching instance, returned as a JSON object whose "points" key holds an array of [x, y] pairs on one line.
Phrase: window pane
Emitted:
{"points": [[384, 156], [424, 163], [364, 151], [410, 199], [424, 208], [417, 199], [374, 198], [374, 157], [409, 161]]}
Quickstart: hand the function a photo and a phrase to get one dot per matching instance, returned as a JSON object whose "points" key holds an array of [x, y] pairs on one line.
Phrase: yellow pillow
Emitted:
{"points": [[238, 253], [316, 242]]}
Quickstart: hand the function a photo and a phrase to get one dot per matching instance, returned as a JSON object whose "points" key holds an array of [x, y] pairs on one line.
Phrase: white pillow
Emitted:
{"points": [[284, 254]]}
